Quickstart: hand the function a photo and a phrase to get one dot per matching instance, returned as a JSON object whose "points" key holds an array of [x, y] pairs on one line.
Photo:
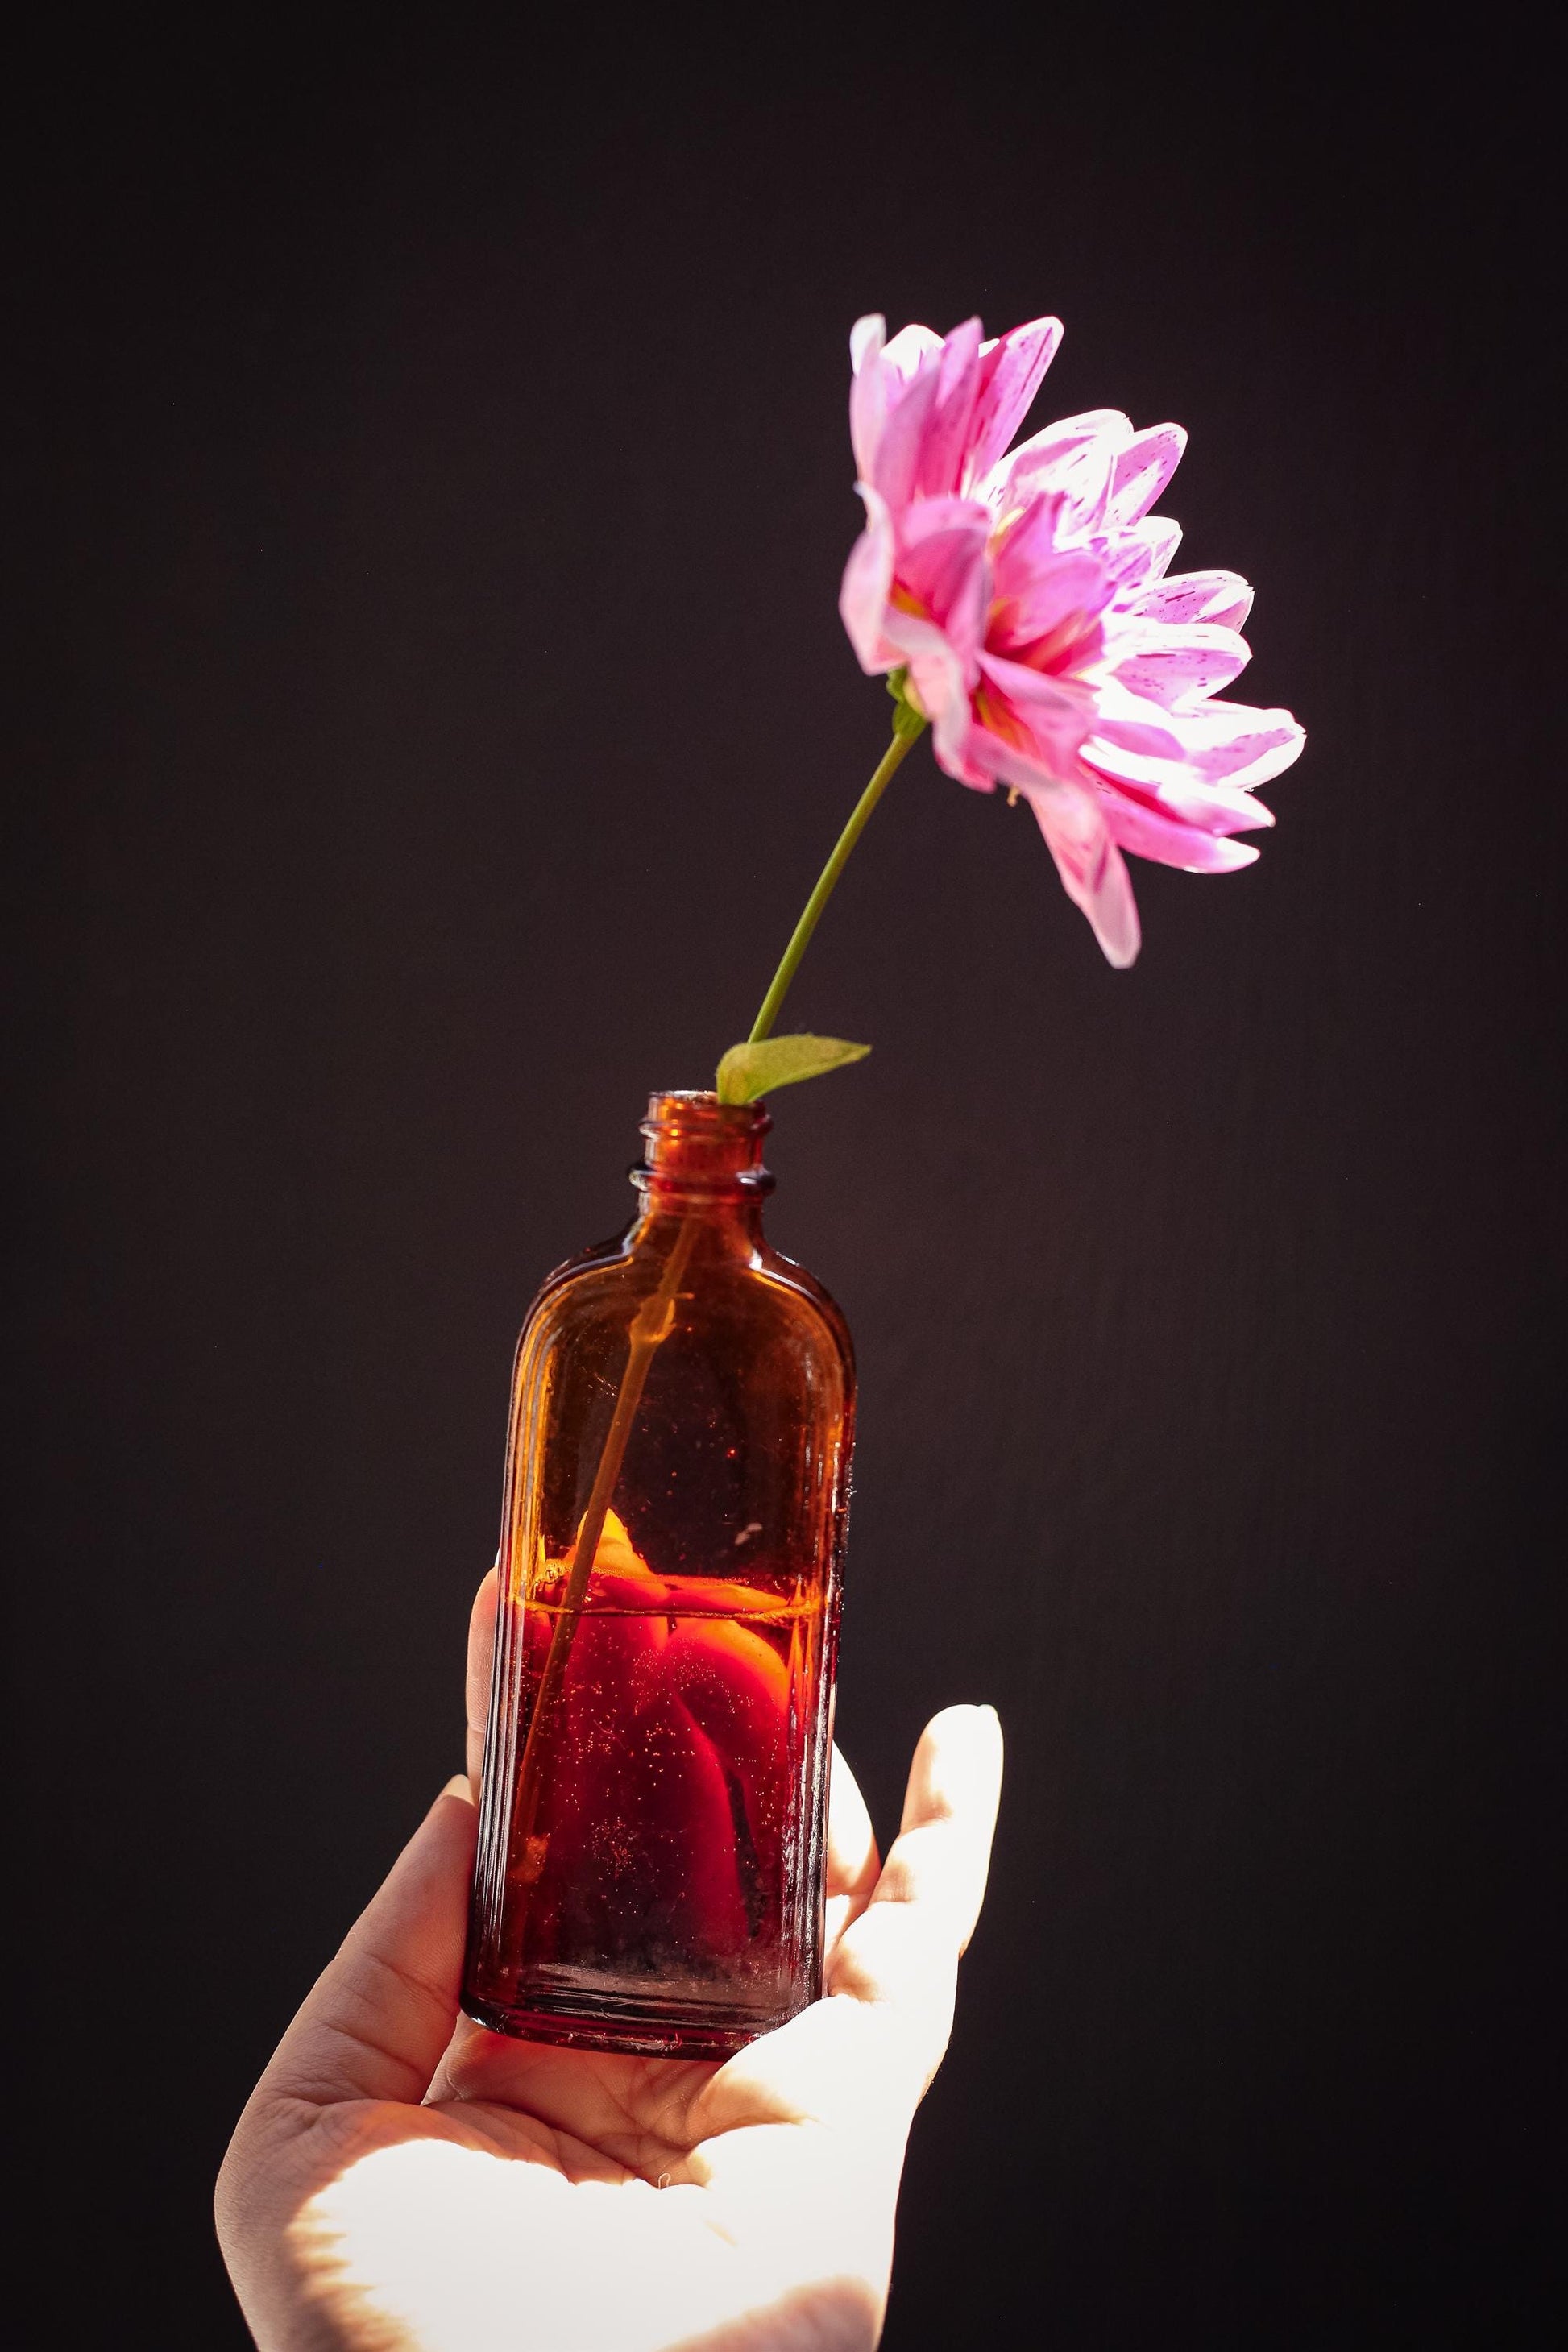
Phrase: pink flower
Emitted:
{"points": [[1026, 598]]}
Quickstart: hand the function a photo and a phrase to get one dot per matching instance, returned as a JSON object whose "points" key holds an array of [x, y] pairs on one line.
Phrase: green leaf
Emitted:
{"points": [[748, 1071]]}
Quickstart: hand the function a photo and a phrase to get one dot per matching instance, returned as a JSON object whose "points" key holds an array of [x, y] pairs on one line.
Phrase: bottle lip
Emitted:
{"points": [[695, 1144], [698, 1111]]}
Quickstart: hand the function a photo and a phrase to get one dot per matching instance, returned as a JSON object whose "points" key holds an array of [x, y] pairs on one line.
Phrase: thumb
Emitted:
{"points": [[378, 2017]]}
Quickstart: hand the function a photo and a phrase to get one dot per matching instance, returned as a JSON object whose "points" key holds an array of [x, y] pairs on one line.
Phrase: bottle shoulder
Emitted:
{"points": [[758, 1285], [786, 1275]]}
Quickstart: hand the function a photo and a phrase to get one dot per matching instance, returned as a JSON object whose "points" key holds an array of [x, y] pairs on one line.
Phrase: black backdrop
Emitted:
{"points": [[441, 712]]}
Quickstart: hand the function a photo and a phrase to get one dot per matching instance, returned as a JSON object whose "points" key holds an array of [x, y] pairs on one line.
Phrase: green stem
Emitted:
{"points": [[908, 726], [653, 1320], [650, 1327]]}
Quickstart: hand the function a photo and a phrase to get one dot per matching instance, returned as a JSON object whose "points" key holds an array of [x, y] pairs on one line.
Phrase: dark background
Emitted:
{"points": [[427, 609]]}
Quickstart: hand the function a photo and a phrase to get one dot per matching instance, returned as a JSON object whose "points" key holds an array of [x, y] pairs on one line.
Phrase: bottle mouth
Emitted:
{"points": [[696, 1143], [699, 1111]]}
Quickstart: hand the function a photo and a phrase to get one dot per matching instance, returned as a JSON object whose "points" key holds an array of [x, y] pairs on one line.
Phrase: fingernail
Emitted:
{"points": [[457, 1786]]}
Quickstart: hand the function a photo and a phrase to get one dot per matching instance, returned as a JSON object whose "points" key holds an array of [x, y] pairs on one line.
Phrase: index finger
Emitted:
{"points": [[906, 1945], [864, 2054]]}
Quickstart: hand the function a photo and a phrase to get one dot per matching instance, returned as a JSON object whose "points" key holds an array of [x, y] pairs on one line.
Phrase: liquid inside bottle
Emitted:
{"points": [[649, 1874]]}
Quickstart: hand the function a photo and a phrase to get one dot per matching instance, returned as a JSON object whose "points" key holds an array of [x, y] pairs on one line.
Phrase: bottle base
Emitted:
{"points": [[661, 2033]]}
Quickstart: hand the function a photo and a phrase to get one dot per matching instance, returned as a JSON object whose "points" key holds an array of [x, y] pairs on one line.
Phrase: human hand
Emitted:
{"points": [[402, 2180]]}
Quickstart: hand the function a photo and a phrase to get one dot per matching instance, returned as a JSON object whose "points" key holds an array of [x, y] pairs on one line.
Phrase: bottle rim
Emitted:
{"points": [[697, 1144]]}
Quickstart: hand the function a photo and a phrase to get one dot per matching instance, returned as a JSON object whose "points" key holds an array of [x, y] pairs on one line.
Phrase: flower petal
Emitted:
{"points": [[1075, 461], [939, 683], [946, 437], [935, 612], [1175, 666], [897, 460], [1142, 470], [1090, 866], [1044, 719], [1161, 537], [1183, 799], [1219, 744], [965, 751], [1154, 834], [942, 691], [867, 584], [867, 337], [1127, 561], [910, 350], [867, 390], [1067, 432], [939, 568], [1012, 370], [1222, 597], [1046, 613]]}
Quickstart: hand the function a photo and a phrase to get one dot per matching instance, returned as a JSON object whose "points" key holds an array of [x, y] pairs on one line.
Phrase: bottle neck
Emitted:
{"points": [[702, 1159]]}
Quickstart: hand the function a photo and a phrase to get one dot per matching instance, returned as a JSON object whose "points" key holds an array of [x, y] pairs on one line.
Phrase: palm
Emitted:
{"points": [[398, 2182], [587, 2115]]}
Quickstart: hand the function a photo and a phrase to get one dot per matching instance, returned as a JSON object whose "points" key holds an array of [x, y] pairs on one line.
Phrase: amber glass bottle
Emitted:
{"points": [[650, 1859]]}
